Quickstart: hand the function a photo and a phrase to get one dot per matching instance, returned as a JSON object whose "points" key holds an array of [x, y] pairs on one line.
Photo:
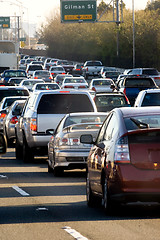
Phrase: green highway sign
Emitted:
{"points": [[4, 22], [78, 11]]}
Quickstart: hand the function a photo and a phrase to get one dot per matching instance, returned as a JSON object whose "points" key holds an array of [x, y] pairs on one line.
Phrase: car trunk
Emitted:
{"points": [[144, 149]]}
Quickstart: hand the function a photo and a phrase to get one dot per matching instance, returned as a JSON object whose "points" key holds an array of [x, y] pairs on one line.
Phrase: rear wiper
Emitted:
{"points": [[139, 124]]}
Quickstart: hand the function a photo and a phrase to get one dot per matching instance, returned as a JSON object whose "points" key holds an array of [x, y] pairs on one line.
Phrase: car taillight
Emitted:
{"points": [[121, 154], [82, 87], [52, 73], [127, 99], [33, 124], [14, 120], [124, 91], [75, 141], [50, 78], [64, 142], [35, 77], [156, 78], [86, 69], [2, 115], [93, 88], [68, 86]]}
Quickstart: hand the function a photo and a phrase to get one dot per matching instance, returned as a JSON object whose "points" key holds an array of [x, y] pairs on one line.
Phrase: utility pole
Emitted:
{"points": [[133, 15]]}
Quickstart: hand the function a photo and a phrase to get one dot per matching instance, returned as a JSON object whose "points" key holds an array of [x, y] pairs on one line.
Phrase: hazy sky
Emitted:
{"points": [[37, 10]]}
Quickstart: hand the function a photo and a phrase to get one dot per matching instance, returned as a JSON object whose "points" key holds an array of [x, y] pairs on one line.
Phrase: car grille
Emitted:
{"points": [[76, 159]]}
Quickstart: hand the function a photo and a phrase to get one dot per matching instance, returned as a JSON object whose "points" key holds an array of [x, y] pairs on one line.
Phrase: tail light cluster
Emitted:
{"points": [[68, 86], [93, 88], [2, 115], [14, 120], [33, 124], [121, 154], [69, 141]]}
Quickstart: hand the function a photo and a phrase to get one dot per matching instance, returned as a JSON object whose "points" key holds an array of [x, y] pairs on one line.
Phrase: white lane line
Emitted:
{"points": [[42, 209], [74, 233], [19, 190], [3, 176]]}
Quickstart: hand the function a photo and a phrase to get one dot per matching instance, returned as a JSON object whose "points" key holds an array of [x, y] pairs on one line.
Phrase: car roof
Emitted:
{"points": [[87, 114], [110, 94], [12, 87], [138, 111], [151, 91]]}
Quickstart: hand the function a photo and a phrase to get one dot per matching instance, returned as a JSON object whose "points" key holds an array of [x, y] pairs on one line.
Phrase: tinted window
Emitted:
{"points": [[152, 120], [83, 119], [94, 64], [139, 82], [15, 74], [12, 92], [108, 102], [64, 103], [33, 68], [150, 72], [151, 99]]}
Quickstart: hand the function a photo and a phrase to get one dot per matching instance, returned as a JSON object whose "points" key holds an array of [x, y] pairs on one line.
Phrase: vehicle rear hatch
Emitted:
{"points": [[144, 148]]}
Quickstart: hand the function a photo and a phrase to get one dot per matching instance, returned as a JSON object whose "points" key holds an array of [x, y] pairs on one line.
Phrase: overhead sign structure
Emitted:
{"points": [[4, 22], [78, 11]]}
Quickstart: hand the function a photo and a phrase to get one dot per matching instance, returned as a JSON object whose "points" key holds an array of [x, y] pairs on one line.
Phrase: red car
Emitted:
{"points": [[124, 162]]}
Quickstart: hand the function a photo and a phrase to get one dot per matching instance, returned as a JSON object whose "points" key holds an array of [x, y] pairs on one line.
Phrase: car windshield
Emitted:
{"points": [[84, 119], [153, 121], [106, 102]]}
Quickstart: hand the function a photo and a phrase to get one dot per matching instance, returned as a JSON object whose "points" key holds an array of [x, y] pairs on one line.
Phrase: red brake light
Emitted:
{"points": [[2, 115], [50, 78], [156, 77], [68, 86], [82, 87], [33, 124], [64, 91], [52, 73], [35, 77], [124, 91], [14, 120], [93, 88]]}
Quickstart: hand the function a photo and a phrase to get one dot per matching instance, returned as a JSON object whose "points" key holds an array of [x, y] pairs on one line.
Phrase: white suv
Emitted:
{"points": [[42, 113]]}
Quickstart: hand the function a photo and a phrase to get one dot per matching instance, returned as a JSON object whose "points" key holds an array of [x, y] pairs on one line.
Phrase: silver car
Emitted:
{"points": [[11, 119], [64, 148], [102, 85]]}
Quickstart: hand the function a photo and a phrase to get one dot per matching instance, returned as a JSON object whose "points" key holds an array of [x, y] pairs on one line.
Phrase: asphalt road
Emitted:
{"points": [[36, 205]]}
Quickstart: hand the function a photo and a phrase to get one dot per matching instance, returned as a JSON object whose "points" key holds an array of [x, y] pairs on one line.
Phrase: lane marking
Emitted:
{"points": [[42, 209], [19, 190], [74, 233], [3, 176]]}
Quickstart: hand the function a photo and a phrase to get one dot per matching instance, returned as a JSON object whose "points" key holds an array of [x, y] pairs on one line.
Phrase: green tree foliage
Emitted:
{"points": [[154, 5], [85, 41]]}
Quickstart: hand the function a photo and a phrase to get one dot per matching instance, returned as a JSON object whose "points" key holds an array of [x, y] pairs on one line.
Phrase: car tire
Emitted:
{"points": [[106, 201], [19, 150], [58, 171], [50, 169], [91, 199], [27, 152]]}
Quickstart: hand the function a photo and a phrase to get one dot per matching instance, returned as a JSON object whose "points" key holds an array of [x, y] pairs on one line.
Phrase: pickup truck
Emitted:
{"points": [[91, 68], [42, 114], [132, 85]]}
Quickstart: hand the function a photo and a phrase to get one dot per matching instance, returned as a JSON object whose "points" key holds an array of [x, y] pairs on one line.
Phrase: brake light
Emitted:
{"points": [[69, 141], [50, 78], [2, 115], [121, 154], [35, 77], [82, 87], [33, 124], [52, 73], [64, 91], [124, 91], [14, 120], [93, 88], [64, 141], [87, 69], [156, 77], [78, 69], [68, 86], [63, 73]]}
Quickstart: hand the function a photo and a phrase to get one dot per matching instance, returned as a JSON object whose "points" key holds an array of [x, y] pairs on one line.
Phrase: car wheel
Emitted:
{"points": [[50, 169], [19, 150], [91, 199], [27, 151], [106, 202], [9, 141], [58, 171]]}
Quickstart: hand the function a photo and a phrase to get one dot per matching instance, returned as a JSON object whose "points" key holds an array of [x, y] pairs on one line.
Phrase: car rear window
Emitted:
{"points": [[133, 82], [151, 99], [150, 72], [33, 68], [153, 121], [13, 92], [64, 103], [15, 74], [94, 64]]}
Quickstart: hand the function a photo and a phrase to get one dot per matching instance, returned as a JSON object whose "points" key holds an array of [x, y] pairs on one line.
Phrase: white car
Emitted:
{"points": [[150, 97], [29, 83], [74, 83], [33, 67], [54, 70], [102, 85]]}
